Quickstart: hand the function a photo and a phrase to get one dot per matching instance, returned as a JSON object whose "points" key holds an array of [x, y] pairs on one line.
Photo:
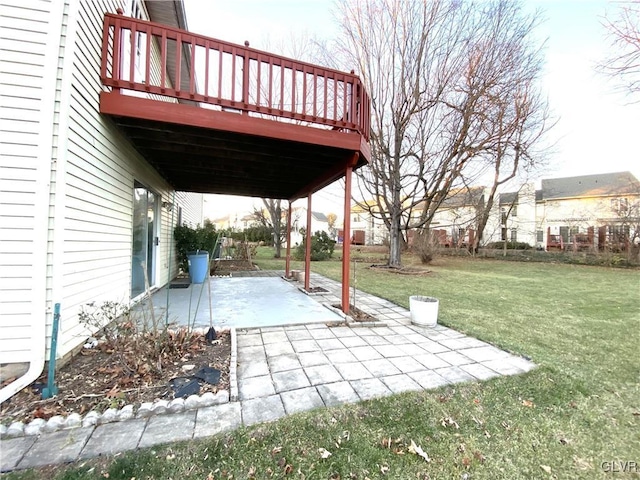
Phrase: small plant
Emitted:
{"points": [[141, 347], [321, 247]]}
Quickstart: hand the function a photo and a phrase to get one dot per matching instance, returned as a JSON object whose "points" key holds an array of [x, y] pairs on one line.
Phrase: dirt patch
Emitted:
{"points": [[225, 267], [97, 379], [317, 290], [402, 270], [356, 314]]}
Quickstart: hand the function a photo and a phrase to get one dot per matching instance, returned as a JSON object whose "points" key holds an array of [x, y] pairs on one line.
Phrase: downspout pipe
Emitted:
{"points": [[51, 390]]}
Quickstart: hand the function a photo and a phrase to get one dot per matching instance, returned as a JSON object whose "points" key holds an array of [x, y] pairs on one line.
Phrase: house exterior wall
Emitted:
{"points": [[299, 221], [522, 225], [31, 35], [68, 175], [576, 215]]}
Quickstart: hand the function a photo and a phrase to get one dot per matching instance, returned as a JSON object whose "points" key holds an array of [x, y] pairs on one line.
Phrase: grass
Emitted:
{"points": [[578, 409]]}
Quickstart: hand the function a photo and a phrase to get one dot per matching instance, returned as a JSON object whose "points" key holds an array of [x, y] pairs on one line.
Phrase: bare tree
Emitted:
{"points": [[436, 71], [623, 30], [271, 217], [520, 118]]}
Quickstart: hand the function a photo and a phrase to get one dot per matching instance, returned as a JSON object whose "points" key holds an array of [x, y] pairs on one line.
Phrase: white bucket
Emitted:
{"points": [[424, 310]]}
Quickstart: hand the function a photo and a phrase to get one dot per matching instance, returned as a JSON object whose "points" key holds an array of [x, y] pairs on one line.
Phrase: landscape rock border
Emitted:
{"points": [[145, 410]]}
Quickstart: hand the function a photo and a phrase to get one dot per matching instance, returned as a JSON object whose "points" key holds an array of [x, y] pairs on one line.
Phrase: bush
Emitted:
{"points": [[425, 245], [321, 247], [510, 246], [190, 239]]}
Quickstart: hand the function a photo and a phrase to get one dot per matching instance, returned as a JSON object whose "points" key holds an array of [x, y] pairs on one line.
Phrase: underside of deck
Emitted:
{"points": [[202, 150]]}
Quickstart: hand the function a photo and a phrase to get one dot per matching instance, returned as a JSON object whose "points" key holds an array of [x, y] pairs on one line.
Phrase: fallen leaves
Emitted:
{"points": [[449, 422], [324, 453], [417, 450]]}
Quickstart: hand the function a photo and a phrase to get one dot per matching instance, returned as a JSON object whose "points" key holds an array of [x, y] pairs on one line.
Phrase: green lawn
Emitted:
{"points": [[580, 408]]}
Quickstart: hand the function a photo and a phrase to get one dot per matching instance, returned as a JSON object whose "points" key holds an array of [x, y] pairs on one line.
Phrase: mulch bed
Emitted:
{"points": [[357, 314], [99, 378]]}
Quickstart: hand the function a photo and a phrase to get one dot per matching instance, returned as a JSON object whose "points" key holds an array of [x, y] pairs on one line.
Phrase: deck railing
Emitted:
{"points": [[159, 60]]}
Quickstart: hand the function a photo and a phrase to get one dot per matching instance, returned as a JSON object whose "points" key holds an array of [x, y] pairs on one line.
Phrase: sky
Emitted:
{"points": [[597, 129]]}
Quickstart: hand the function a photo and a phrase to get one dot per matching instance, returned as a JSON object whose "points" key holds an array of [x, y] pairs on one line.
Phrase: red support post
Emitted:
{"points": [[307, 256], [245, 79], [287, 272], [346, 235]]}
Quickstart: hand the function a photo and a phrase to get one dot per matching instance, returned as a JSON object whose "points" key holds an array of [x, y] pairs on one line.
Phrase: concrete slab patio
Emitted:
{"points": [[287, 369], [244, 301]]}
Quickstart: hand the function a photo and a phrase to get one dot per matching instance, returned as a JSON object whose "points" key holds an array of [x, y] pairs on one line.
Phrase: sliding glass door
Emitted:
{"points": [[145, 235]]}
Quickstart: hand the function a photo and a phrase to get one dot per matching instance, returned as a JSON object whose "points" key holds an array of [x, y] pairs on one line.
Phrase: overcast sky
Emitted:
{"points": [[597, 131]]}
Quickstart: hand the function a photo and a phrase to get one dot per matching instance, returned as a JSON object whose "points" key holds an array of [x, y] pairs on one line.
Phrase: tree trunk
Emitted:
{"points": [[277, 229], [395, 241]]}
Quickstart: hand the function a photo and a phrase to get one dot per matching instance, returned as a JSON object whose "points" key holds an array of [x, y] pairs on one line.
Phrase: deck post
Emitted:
{"points": [[346, 235], [287, 272], [307, 255]]}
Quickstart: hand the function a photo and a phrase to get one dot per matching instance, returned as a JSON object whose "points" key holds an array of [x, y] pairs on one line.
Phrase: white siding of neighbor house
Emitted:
{"points": [[91, 250], [29, 37]]}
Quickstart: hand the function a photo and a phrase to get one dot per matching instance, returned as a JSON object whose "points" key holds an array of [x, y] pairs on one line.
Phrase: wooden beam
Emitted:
{"points": [[346, 235], [307, 257], [287, 271]]}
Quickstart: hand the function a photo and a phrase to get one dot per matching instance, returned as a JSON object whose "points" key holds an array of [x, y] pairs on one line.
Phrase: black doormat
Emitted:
{"points": [[179, 285]]}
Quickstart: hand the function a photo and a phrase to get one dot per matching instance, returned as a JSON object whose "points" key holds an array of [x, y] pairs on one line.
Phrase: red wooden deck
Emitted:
{"points": [[215, 117]]}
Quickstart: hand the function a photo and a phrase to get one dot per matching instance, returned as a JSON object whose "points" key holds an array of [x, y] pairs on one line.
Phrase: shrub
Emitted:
{"points": [[425, 245], [321, 247], [190, 239], [510, 245]]}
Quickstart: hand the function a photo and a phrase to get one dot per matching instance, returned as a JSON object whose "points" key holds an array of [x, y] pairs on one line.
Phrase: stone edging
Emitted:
{"points": [[145, 410]]}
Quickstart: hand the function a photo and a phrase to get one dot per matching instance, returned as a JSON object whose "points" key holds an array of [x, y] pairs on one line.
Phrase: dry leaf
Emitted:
{"points": [[275, 450], [384, 469], [527, 403], [324, 453], [448, 421], [546, 468], [288, 469], [416, 450]]}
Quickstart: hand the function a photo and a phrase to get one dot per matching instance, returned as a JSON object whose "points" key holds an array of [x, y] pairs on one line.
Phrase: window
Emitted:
{"points": [[514, 211], [514, 235], [504, 234], [503, 221], [620, 205], [539, 236], [135, 9], [573, 231]]}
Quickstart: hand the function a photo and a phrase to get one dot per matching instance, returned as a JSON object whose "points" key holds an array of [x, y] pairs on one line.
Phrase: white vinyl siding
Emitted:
{"points": [[61, 159], [29, 31], [94, 263]]}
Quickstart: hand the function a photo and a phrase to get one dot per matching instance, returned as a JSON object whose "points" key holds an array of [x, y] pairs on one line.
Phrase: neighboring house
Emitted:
{"points": [[515, 220], [104, 129], [455, 220], [319, 223], [588, 211], [364, 219]]}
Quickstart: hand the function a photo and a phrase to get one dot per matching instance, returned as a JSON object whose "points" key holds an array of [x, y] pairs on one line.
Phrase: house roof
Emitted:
{"points": [[321, 217], [461, 197], [508, 198], [604, 184]]}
